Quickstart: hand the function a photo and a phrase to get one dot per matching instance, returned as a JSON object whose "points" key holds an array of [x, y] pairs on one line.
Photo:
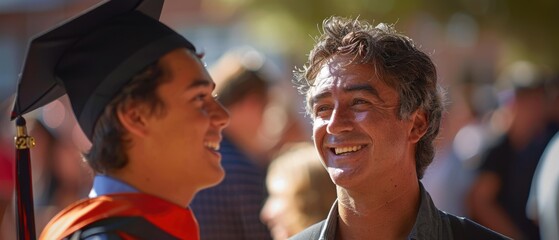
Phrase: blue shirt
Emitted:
{"points": [[103, 185]]}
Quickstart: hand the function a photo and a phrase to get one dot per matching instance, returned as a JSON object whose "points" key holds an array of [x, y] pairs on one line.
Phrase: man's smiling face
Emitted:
{"points": [[356, 129]]}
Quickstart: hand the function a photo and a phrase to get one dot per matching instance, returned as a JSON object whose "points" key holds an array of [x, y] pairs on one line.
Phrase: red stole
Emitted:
{"points": [[171, 218]]}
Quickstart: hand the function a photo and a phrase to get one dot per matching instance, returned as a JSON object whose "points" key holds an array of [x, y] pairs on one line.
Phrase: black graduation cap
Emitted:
{"points": [[89, 57], [92, 56]]}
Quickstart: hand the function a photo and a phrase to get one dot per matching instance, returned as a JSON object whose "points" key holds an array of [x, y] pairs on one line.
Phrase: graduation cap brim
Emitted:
{"points": [[38, 84]]}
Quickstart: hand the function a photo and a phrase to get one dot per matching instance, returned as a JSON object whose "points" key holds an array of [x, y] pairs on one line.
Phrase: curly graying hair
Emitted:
{"points": [[398, 62]]}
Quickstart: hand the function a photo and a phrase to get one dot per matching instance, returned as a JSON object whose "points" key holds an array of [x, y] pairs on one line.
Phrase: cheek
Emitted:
{"points": [[379, 122], [393, 139], [361, 117], [194, 121], [319, 128], [319, 133]]}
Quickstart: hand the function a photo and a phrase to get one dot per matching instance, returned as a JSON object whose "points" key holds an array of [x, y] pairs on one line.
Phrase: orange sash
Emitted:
{"points": [[171, 218]]}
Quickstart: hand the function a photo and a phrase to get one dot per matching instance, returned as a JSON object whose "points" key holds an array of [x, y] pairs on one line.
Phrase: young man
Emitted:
{"points": [[376, 109], [143, 97]]}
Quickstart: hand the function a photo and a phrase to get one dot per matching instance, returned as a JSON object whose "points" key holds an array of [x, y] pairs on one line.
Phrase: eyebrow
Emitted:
{"points": [[319, 96], [200, 83], [353, 88], [364, 87]]}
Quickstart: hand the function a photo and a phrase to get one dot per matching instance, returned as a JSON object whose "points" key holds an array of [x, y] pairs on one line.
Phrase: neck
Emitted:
{"points": [[387, 212], [139, 174], [146, 185]]}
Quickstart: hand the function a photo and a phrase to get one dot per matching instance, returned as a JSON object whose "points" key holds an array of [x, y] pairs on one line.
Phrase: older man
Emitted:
{"points": [[376, 108]]}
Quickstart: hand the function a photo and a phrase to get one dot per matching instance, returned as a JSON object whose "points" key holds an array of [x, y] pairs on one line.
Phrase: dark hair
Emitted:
{"points": [[109, 140], [395, 58], [240, 85], [241, 72]]}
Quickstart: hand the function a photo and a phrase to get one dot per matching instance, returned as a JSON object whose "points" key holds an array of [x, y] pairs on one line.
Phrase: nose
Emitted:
{"points": [[341, 121], [271, 212], [266, 213], [220, 116]]}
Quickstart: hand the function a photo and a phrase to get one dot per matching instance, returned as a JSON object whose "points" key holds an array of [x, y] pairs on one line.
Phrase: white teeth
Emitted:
{"points": [[340, 150], [212, 145]]}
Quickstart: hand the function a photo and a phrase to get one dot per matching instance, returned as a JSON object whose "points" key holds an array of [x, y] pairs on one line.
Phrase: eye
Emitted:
{"points": [[200, 97], [358, 101], [321, 110]]}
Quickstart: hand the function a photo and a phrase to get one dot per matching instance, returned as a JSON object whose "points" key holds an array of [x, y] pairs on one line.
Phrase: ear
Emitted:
{"points": [[419, 125], [134, 119]]}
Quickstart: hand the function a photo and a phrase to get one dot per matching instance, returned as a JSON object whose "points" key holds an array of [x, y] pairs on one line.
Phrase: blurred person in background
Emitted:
{"points": [[231, 209], [301, 192], [467, 126], [376, 108], [143, 97], [500, 191], [7, 172], [64, 177], [45, 183], [543, 201], [60, 174]]}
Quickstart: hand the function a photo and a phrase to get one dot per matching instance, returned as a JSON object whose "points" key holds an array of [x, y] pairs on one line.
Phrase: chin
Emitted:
{"points": [[280, 234], [214, 179], [342, 178]]}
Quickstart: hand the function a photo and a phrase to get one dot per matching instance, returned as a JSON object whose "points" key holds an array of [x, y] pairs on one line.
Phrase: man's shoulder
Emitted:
{"points": [[312, 232], [464, 228]]}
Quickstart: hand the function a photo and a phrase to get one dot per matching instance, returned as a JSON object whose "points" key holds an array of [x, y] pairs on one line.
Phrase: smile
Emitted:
{"points": [[342, 150], [212, 145]]}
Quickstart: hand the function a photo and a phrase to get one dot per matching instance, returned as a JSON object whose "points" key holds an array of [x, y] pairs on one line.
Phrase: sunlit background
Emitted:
{"points": [[470, 41]]}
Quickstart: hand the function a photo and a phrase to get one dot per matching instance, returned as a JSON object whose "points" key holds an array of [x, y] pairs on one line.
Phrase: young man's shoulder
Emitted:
{"points": [[122, 214]]}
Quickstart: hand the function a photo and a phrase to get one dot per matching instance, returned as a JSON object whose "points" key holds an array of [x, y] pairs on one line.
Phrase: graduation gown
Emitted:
{"points": [[123, 216]]}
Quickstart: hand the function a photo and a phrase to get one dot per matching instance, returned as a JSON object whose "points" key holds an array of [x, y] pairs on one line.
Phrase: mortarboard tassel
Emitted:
{"points": [[24, 188]]}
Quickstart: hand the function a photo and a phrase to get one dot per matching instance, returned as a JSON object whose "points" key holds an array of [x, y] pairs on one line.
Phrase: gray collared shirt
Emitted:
{"points": [[429, 223]]}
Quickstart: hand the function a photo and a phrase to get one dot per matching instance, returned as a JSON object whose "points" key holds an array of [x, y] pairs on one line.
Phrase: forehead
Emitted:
{"points": [[342, 68], [183, 62], [342, 72], [341, 77]]}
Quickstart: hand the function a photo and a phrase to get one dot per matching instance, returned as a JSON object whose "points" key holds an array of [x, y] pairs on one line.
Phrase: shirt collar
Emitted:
{"points": [[428, 223], [328, 230], [103, 185]]}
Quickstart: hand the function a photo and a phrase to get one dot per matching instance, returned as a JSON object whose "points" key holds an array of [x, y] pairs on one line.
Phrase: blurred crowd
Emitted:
{"points": [[59, 173], [495, 135], [487, 160]]}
